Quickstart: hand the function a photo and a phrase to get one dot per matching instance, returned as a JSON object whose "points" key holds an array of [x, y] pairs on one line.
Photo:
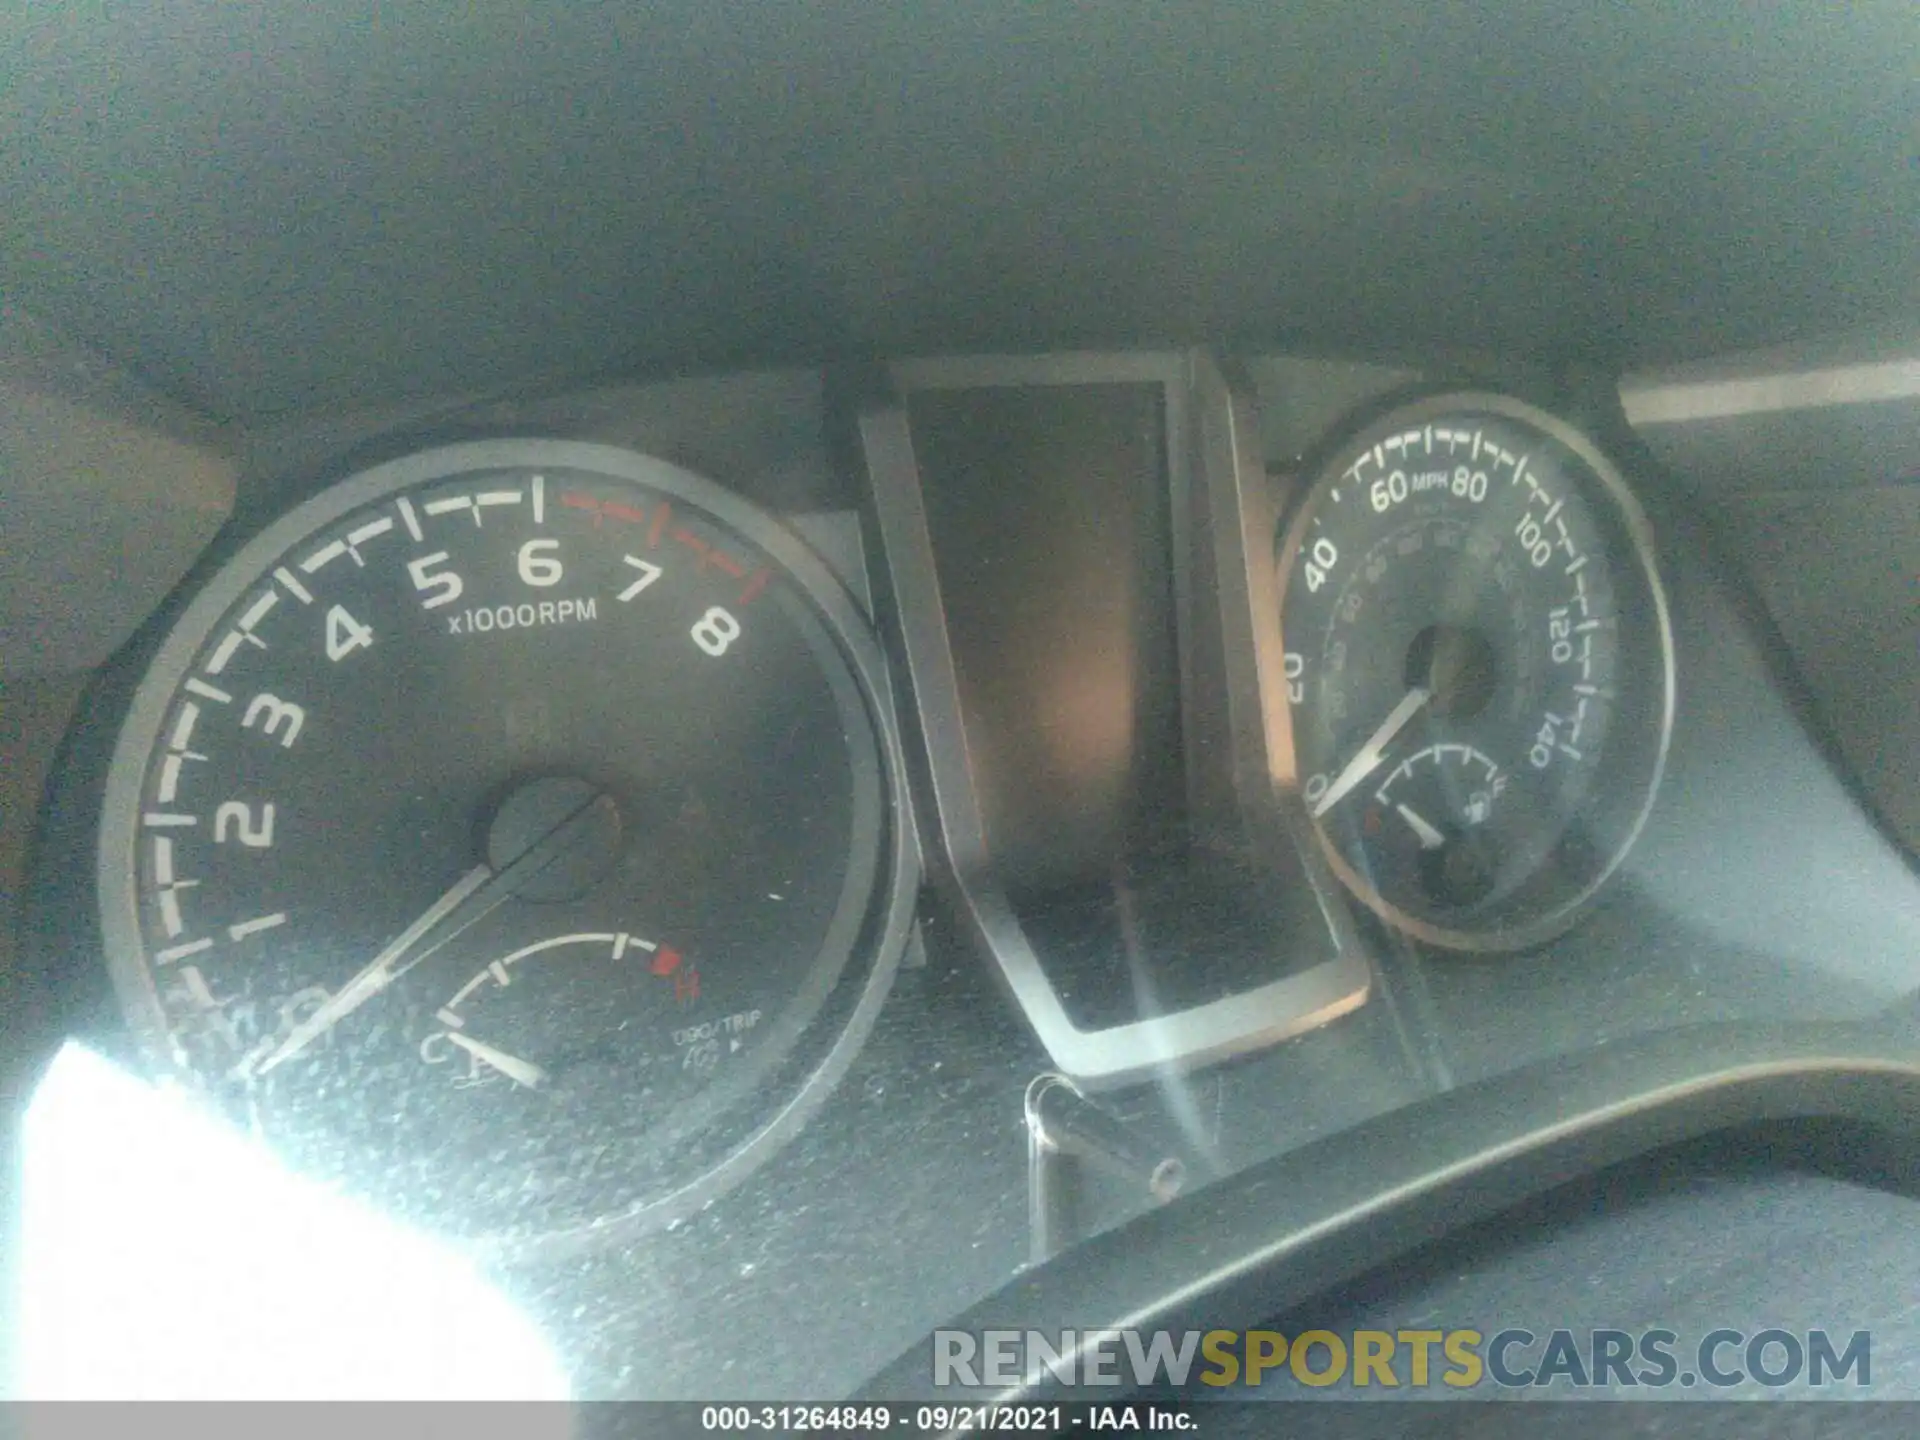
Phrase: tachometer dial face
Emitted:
{"points": [[502, 831], [1478, 666]]}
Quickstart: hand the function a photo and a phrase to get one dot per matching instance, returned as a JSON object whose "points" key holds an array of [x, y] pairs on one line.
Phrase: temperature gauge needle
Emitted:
{"points": [[521, 1072], [477, 894], [1374, 751]]}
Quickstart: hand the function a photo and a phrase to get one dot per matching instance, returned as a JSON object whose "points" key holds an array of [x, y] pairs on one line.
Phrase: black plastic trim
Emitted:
{"points": [[1280, 1233]]}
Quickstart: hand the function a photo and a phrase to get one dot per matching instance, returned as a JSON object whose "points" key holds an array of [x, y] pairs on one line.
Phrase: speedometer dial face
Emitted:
{"points": [[1478, 666], [508, 833]]}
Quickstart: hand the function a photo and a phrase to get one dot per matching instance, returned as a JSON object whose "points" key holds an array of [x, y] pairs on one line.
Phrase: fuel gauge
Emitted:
{"points": [[1430, 818]]}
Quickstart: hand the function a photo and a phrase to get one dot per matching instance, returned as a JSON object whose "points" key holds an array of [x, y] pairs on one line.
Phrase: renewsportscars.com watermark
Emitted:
{"points": [[1627, 1360]]}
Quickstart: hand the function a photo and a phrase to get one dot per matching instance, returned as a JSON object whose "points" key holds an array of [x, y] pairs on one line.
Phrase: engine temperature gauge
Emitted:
{"points": [[576, 1002], [1479, 668]]}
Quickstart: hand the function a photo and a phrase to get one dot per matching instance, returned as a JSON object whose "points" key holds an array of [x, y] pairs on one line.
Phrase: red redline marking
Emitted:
{"points": [[719, 559]]}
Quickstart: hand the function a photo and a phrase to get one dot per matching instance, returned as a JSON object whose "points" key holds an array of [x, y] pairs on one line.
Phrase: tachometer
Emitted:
{"points": [[511, 832], [1479, 667]]}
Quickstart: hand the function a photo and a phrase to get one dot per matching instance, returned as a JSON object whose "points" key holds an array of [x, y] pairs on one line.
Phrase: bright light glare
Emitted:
{"points": [[163, 1256]]}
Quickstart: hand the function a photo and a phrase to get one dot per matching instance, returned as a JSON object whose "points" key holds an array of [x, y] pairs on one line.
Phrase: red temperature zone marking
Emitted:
{"points": [[686, 981]]}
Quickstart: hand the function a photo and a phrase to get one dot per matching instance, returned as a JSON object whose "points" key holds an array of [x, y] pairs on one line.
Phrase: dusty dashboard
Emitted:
{"points": [[686, 839]]}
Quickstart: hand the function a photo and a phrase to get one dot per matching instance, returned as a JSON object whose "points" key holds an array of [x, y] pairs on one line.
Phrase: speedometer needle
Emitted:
{"points": [[476, 895], [1374, 751]]}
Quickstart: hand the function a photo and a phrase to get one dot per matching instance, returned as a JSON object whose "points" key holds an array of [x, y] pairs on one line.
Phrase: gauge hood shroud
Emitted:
{"points": [[352, 203]]}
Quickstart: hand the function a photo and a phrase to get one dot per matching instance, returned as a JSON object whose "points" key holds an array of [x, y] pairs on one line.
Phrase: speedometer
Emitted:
{"points": [[1478, 665], [512, 833]]}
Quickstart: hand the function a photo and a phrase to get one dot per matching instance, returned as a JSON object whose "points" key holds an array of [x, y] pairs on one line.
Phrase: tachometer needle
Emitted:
{"points": [[477, 894], [521, 1072], [1430, 838], [1374, 751]]}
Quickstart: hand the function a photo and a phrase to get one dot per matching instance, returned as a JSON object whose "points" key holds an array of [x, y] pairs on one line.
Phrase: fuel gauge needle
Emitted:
{"points": [[521, 1072], [1430, 838]]}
